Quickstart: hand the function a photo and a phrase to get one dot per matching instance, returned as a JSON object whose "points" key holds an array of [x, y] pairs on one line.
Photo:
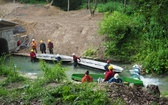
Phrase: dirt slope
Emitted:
{"points": [[73, 31]]}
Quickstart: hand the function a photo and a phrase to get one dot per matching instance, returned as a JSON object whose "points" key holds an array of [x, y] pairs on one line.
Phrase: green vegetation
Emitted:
{"points": [[90, 52], [50, 89], [9, 71], [114, 6], [136, 31], [53, 74], [139, 35]]}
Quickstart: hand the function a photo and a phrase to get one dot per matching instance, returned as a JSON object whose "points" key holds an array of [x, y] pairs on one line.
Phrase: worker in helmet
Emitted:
{"points": [[50, 46], [109, 74], [42, 47], [75, 59], [106, 66], [32, 56], [34, 45], [116, 79]]}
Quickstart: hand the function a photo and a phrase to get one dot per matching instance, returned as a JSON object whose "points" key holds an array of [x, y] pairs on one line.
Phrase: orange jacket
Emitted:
{"points": [[33, 44], [87, 78]]}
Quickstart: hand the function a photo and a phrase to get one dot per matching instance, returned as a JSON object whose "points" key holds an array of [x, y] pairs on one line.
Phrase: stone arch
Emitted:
{"points": [[3, 46]]}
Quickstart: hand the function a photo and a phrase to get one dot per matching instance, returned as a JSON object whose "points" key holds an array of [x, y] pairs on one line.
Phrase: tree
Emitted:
{"points": [[68, 5], [92, 6]]}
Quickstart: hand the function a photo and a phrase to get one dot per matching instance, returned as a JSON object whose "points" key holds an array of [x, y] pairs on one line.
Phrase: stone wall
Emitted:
{"points": [[7, 34]]}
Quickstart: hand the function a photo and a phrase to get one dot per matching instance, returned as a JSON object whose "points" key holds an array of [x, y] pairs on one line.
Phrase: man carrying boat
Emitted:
{"points": [[75, 59], [58, 58], [87, 77], [109, 74]]}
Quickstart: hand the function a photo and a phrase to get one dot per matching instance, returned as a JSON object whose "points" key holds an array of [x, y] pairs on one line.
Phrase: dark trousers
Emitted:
{"points": [[43, 51], [51, 51], [75, 63], [35, 50], [33, 59]]}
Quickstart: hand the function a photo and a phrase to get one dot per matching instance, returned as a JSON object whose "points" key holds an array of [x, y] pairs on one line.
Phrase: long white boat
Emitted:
{"points": [[98, 65], [53, 57]]}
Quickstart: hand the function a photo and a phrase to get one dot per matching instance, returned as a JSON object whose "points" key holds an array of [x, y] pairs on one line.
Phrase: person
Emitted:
{"points": [[32, 56], [75, 59], [42, 47], [116, 79], [106, 66], [34, 45], [109, 74], [50, 46], [87, 77], [18, 43], [58, 58]]}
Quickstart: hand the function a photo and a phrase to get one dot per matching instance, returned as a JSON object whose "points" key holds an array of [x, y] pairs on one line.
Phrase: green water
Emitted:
{"points": [[24, 66]]}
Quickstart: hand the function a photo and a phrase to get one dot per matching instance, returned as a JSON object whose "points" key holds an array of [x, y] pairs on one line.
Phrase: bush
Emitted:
{"points": [[114, 6], [117, 28], [79, 94], [53, 74], [90, 52]]}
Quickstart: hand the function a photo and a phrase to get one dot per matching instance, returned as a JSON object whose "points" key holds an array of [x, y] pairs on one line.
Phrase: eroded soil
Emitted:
{"points": [[71, 32]]}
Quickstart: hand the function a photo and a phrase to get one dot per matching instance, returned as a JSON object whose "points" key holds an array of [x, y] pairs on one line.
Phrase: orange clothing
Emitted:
{"points": [[87, 78], [33, 44]]}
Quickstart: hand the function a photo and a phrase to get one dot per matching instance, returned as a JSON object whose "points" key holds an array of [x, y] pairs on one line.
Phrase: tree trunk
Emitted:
{"points": [[92, 11], [68, 5], [51, 2]]}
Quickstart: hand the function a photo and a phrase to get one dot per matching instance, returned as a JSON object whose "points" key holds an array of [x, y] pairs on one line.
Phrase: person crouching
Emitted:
{"points": [[116, 79]]}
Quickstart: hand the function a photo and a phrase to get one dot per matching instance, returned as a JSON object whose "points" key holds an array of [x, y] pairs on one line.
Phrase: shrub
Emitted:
{"points": [[53, 74], [90, 52]]}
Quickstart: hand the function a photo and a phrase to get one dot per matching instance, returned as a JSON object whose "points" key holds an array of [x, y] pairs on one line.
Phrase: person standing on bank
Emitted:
{"points": [[50, 46], [75, 59], [34, 45], [42, 47]]}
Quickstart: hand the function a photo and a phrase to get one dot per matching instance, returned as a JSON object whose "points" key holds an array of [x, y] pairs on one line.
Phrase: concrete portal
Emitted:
{"points": [[7, 39], [3, 47]]}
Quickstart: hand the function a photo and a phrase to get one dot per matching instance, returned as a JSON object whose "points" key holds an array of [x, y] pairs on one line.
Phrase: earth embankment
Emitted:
{"points": [[71, 32]]}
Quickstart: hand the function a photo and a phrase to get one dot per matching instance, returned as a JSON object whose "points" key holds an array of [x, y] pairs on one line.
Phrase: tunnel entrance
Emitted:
{"points": [[3, 47]]}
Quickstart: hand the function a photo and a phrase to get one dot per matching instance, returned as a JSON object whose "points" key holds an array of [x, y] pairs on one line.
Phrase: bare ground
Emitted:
{"points": [[71, 32]]}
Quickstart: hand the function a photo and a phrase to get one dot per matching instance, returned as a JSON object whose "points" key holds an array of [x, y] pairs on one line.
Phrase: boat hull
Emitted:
{"points": [[78, 77], [53, 57], [98, 65]]}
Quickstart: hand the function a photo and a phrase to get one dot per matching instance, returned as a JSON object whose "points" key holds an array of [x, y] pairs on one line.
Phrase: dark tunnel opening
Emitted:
{"points": [[3, 47]]}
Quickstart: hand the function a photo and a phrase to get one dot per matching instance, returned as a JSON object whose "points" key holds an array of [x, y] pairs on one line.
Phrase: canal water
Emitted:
{"points": [[25, 67]]}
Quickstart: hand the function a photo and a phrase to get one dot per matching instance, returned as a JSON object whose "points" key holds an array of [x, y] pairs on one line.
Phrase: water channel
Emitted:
{"points": [[30, 69]]}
